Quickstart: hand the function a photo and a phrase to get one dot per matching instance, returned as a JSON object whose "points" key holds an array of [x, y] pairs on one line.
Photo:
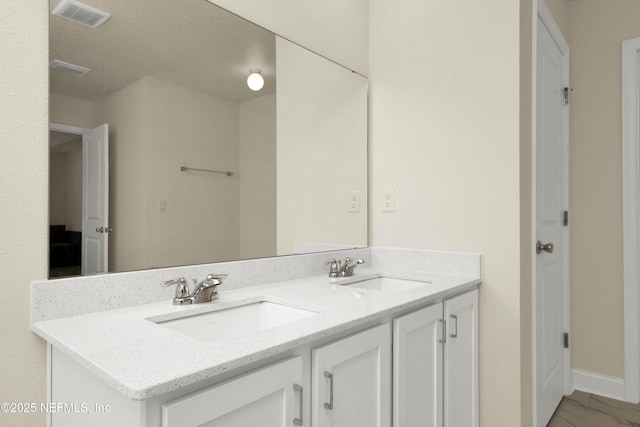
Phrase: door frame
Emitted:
{"points": [[630, 212], [541, 12], [73, 130]]}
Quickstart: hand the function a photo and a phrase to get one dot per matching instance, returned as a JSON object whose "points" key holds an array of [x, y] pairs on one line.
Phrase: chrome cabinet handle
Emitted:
{"points": [[454, 334], [329, 375], [544, 247], [298, 421], [443, 340]]}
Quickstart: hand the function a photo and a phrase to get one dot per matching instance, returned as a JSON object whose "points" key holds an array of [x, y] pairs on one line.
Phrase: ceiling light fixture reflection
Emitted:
{"points": [[255, 81]]}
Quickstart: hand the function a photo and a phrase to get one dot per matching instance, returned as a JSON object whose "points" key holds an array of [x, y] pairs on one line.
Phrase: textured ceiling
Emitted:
{"points": [[192, 43]]}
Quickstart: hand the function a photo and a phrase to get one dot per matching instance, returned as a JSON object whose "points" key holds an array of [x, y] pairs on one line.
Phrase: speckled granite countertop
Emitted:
{"points": [[138, 357]]}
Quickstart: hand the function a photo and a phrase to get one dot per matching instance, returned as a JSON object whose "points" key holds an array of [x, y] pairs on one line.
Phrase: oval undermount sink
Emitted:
{"points": [[388, 284], [236, 321]]}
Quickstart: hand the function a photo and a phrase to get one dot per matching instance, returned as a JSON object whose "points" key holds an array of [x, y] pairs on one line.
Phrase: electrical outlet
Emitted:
{"points": [[354, 202], [162, 205], [389, 200]]}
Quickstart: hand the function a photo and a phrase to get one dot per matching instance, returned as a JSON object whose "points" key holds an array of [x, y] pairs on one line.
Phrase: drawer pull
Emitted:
{"points": [[329, 376], [454, 334], [298, 421], [443, 340]]}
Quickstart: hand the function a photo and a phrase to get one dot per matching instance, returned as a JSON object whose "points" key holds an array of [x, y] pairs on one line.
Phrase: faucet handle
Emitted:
{"points": [[333, 262], [182, 290], [216, 277], [334, 269]]}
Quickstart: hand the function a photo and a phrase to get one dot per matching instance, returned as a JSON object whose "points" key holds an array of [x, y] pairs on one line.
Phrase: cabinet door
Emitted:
{"points": [[461, 361], [268, 397], [352, 381], [417, 368]]}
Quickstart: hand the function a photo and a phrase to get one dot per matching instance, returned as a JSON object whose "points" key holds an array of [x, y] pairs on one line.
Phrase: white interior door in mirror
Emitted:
{"points": [[95, 200]]}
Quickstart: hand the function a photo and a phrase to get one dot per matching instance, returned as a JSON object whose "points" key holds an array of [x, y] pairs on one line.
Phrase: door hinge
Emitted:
{"points": [[566, 339], [565, 96], [565, 218]]}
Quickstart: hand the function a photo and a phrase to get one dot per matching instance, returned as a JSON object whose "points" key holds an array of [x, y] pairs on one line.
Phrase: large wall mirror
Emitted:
{"points": [[193, 166]]}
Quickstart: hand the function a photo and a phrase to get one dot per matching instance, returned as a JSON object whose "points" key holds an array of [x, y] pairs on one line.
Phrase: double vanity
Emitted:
{"points": [[283, 344]]}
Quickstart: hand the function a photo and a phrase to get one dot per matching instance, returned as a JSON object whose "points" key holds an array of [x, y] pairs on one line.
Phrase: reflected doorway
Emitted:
{"points": [[65, 204], [78, 200]]}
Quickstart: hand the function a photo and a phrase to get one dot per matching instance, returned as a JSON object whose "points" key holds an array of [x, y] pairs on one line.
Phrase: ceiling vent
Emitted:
{"points": [[81, 13], [76, 70]]}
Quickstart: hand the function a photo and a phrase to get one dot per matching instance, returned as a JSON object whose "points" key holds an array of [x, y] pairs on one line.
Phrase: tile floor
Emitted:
{"points": [[589, 410]]}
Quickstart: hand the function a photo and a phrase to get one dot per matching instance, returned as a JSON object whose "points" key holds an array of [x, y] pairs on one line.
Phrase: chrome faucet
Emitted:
{"points": [[205, 291], [340, 269]]}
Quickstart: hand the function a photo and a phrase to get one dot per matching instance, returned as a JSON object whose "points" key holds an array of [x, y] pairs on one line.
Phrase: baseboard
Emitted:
{"points": [[601, 385]]}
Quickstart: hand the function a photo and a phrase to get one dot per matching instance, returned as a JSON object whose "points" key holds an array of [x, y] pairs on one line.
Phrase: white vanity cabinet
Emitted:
{"points": [[268, 397], [435, 353], [417, 368], [426, 361], [351, 380], [461, 361]]}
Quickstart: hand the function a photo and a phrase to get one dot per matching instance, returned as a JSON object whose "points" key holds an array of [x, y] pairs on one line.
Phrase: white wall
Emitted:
{"points": [[322, 146], [125, 113], [336, 29], [188, 128], [24, 154], [72, 111], [156, 127], [445, 133], [257, 177]]}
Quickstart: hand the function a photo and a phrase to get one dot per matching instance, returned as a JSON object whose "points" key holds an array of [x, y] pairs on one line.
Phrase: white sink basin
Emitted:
{"points": [[236, 321], [388, 284]]}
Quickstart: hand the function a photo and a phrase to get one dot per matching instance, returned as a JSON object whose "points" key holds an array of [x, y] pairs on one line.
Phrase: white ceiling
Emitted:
{"points": [[192, 43]]}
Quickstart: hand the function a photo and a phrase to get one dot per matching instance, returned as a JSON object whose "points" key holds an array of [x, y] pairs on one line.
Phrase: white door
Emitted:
{"points": [[95, 200], [461, 361], [352, 381], [551, 202], [417, 368], [268, 397]]}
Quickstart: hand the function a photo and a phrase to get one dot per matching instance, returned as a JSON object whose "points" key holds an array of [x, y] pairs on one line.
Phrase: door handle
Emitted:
{"points": [[544, 247], [100, 230]]}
